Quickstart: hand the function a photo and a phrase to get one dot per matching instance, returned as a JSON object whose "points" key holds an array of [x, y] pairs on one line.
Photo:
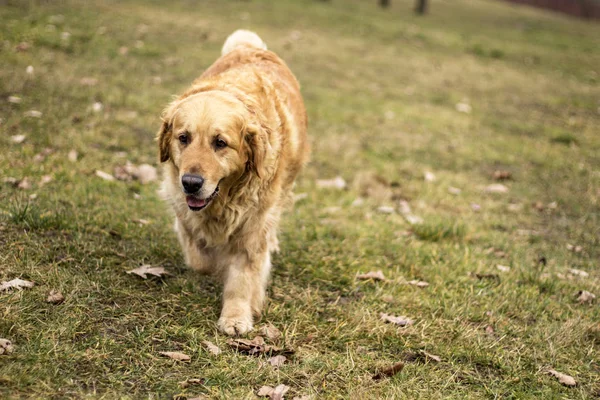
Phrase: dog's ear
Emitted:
{"points": [[164, 141], [258, 143]]}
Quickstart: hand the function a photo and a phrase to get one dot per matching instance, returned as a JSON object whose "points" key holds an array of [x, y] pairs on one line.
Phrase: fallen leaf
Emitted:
{"points": [[175, 355], [213, 348], [514, 207], [97, 107], [148, 269], [429, 176], [11, 180], [18, 139], [578, 272], [24, 184], [23, 46], [45, 179], [55, 297], [141, 221], [539, 206], [72, 156], [6, 347], [191, 381], [276, 393], [386, 209], [563, 378], [486, 276], [146, 173], [431, 356], [104, 175], [33, 114], [585, 297], [407, 213], [503, 268], [463, 108], [400, 321], [123, 50], [489, 330], [336, 183], [390, 371], [496, 188], [375, 275], [88, 81], [502, 175], [277, 361], [454, 190], [257, 346], [16, 284], [270, 331], [300, 196], [418, 283], [14, 99], [574, 249]]}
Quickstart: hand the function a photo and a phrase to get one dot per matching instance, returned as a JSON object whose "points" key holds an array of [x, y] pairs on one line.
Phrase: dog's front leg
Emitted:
{"points": [[244, 292]]}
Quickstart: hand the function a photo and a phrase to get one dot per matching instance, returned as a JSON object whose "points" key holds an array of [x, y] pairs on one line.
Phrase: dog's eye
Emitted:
{"points": [[220, 144], [183, 138]]}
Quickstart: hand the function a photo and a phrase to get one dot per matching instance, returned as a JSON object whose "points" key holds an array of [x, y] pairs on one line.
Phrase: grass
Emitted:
{"points": [[381, 89]]}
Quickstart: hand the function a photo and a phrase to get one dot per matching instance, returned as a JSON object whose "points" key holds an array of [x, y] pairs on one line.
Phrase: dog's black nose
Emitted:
{"points": [[192, 183]]}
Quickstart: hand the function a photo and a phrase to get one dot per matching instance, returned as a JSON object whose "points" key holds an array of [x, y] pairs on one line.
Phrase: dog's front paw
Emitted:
{"points": [[234, 326]]}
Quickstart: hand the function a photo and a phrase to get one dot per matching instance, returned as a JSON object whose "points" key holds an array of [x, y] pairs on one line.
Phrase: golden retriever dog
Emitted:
{"points": [[232, 145]]}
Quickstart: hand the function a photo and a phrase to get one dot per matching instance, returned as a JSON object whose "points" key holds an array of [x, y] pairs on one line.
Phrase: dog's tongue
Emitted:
{"points": [[195, 202]]}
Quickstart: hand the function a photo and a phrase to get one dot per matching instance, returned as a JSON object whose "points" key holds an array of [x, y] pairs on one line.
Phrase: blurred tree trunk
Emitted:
{"points": [[384, 3], [421, 7]]}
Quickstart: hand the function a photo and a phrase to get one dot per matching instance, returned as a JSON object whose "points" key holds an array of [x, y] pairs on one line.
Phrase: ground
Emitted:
{"points": [[475, 87]]}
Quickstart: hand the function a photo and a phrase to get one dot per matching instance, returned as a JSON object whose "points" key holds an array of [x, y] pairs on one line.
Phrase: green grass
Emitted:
{"points": [[381, 89]]}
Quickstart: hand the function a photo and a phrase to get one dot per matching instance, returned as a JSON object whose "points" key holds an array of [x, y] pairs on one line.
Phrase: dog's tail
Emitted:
{"points": [[242, 37]]}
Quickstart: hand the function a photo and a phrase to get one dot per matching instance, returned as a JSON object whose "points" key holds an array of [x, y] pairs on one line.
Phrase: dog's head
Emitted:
{"points": [[212, 140]]}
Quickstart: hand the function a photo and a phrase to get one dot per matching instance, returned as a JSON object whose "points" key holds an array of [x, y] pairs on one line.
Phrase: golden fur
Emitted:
{"points": [[251, 100]]}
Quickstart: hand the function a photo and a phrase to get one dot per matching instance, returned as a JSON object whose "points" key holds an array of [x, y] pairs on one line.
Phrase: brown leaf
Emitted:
{"points": [[104, 175], [502, 175], [6, 347], [23, 46], [257, 346], [16, 284], [431, 356], [489, 330], [277, 361], [502, 268], [148, 269], [375, 275], [45, 179], [486, 276], [55, 297], [276, 393], [390, 371], [33, 114], [146, 173], [578, 272], [270, 331], [213, 348], [191, 381], [175, 355], [88, 81], [24, 184], [400, 321], [336, 183], [496, 188], [18, 139], [72, 156], [585, 297], [417, 283], [563, 378]]}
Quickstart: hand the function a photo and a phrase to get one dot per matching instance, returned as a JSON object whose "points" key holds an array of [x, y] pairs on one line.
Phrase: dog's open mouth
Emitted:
{"points": [[196, 204]]}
